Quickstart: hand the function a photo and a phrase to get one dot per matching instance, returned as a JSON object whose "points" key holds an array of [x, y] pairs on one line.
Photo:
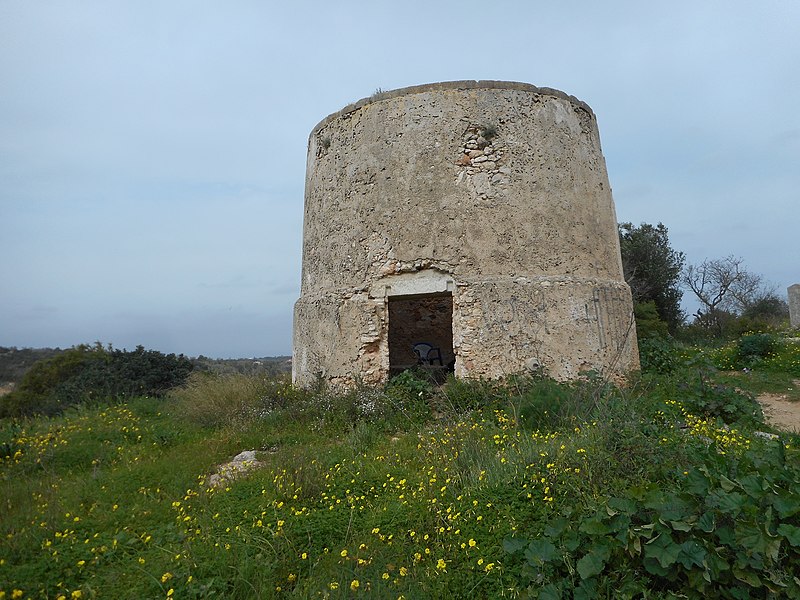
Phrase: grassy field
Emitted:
{"points": [[520, 489]]}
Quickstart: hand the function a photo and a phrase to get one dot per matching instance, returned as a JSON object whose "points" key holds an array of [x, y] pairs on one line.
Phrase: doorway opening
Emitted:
{"points": [[421, 333]]}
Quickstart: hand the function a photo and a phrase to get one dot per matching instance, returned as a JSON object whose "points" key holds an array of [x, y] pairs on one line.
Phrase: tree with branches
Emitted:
{"points": [[726, 288], [652, 269]]}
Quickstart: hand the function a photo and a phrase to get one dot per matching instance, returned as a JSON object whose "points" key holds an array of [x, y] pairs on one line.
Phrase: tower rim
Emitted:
{"points": [[466, 84]]}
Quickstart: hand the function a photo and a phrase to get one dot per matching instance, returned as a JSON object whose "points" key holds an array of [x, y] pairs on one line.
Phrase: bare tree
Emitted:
{"points": [[725, 287], [715, 282], [745, 291]]}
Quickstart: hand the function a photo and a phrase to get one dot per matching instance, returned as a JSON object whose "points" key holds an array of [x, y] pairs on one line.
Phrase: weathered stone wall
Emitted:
{"points": [[794, 304], [496, 192]]}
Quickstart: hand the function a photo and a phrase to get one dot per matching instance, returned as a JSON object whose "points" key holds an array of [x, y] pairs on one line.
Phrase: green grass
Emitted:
{"points": [[412, 491]]}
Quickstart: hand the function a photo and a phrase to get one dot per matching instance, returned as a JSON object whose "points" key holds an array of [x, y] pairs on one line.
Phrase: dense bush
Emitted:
{"points": [[763, 352], [659, 355], [545, 406], [707, 398], [218, 400], [648, 322], [94, 374], [726, 528], [14, 362], [701, 392], [756, 347]]}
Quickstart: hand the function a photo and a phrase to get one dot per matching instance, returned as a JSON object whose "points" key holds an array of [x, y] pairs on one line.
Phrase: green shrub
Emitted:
{"points": [[93, 374], [410, 384], [459, 396], [725, 529], [709, 399], [785, 359], [547, 405], [219, 400], [409, 393], [755, 347], [659, 355], [701, 389], [704, 396], [648, 322]]}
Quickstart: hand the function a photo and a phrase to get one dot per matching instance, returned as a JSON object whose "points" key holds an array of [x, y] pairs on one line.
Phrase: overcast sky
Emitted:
{"points": [[152, 154]]}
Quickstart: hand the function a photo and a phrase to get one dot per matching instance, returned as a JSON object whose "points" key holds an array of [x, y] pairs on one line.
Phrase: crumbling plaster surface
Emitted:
{"points": [[794, 304], [497, 191]]}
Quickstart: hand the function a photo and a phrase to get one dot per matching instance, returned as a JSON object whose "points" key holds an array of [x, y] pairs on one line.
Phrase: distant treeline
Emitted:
{"points": [[267, 366], [48, 381], [15, 362]]}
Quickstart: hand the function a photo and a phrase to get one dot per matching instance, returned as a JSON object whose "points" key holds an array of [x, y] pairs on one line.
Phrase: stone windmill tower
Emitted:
{"points": [[465, 225]]}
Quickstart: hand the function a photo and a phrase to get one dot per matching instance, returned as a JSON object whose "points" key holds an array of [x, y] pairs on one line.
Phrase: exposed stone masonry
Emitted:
{"points": [[491, 194]]}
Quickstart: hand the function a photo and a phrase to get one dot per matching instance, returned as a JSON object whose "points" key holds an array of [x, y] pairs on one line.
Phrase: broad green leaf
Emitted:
{"points": [[707, 522], [620, 523], [556, 527], [697, 579], [593, 563], [676, 508], [786, 504], [655, 498], [550, 592], [512, 545], [791, 533], [739, 593], [731, 503], [680, 525], [726, 484], [747, 576], [716, 564], [586, 590], [571, 542], [691, 553], [697, 483], [752, 539], [752, 485], [625, 506], [663, 549], [652, 565], [540, 551], [726, 536], [594, 526]]}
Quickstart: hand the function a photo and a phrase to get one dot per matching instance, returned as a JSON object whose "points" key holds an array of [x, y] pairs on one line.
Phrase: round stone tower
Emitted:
{"points": [[465, 225]]}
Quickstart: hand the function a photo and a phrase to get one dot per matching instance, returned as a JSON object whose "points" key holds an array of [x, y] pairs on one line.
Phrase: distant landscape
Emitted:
{"points": [[15, 362]]}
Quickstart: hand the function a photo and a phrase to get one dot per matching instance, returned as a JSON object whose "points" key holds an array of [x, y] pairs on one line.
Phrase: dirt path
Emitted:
{"points": [[781, 412]]}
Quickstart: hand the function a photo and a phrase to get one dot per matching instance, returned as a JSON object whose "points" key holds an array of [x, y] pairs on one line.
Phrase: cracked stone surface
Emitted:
{"points": [[495, 193]]}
